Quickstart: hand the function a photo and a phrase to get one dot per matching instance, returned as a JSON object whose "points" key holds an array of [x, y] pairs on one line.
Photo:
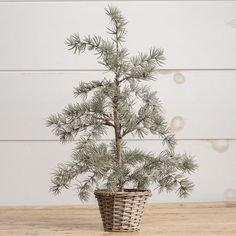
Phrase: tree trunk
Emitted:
{"points": [[118, 128], [116, 109]]}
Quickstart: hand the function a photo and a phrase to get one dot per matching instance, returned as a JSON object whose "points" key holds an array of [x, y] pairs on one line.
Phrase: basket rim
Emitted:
{"points": [[126, 192]]}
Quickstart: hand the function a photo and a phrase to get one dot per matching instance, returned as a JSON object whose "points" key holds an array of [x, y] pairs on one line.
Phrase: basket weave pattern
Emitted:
{"points": [[122, 211]]}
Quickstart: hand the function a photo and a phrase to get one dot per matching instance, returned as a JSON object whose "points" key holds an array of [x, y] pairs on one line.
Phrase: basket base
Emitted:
{"points": [[122, 211], [121, 230]]}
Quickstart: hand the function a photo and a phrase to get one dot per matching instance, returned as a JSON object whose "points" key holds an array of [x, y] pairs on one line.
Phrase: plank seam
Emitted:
{"points": [[103, 70], [140, 140], [55, 1]]}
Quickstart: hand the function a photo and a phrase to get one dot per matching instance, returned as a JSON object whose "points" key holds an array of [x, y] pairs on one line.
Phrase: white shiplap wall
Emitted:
{"points": [[197, 87]]}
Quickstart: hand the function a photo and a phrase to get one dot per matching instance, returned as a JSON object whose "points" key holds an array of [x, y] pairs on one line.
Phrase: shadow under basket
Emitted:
{"points": [[122, 211]]}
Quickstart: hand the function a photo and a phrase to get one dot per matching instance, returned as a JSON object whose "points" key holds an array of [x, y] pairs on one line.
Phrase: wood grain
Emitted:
{"points": [[208, 219]]}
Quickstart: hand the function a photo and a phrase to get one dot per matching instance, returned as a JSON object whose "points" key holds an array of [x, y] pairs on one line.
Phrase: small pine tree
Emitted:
{"points": [[112, 104]]}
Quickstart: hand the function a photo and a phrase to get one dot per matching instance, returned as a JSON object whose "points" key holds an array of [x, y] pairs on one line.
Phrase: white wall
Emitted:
{"points": [[197, 87]]}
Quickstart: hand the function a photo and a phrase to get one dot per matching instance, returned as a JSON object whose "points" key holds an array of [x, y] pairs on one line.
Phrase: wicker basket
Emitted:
{"points": [[122, 211]]}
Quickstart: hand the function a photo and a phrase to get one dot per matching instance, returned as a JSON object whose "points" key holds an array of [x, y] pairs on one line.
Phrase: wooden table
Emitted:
{"points": [[209, 219]]}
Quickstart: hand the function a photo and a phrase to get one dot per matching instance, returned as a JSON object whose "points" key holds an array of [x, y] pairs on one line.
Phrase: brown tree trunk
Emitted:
{"points": [[118, 128], [116, 110]]}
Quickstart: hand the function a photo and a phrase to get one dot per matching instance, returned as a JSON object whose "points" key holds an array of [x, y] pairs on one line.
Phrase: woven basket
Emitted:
{"points": [[122, 211]]}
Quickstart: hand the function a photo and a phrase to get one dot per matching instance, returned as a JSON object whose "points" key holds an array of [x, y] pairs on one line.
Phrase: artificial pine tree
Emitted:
{"points": [[124, 104]]}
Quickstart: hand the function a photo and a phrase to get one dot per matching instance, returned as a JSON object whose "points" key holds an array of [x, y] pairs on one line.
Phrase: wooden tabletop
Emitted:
{"points": [[208, 219]]}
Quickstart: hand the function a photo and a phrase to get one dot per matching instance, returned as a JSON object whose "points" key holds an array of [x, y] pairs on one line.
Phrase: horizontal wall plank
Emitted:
{"points": [[197, 104], [193, 34], [25, 174]]}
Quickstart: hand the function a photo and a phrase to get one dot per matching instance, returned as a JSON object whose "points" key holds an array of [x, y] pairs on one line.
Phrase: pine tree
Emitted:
{"points": [[127, 106]]}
